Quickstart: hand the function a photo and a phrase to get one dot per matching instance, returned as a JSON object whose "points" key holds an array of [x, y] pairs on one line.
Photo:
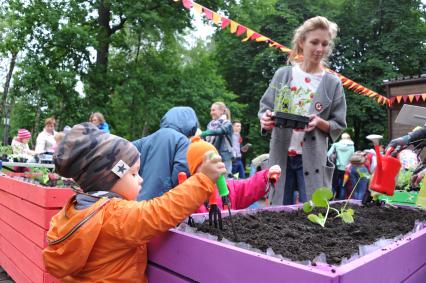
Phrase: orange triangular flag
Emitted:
{"points": [[285, 49], [398, 98], [379, 99], [249, 34], [424, 96], [262, 38], [216, 18], [198, 8], [411, 97], [234, 26]]}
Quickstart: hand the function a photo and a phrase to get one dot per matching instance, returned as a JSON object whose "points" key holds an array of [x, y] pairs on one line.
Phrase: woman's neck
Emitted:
{"points": [[310, 68]]}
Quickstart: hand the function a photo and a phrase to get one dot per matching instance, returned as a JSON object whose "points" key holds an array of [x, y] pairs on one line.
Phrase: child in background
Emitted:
{"points": [[101, 234], [20, 143], [243, 192]]}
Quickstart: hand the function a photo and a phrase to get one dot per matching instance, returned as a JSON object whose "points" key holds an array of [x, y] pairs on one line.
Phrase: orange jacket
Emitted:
{"points": [[111, 246]]}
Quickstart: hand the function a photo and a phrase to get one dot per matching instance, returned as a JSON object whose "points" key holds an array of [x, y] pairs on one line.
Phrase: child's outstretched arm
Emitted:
{"points": [[139, 222], [246, 191]]}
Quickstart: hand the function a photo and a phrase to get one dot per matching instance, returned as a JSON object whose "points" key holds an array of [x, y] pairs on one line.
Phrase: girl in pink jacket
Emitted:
{"points": [[243, 192]]}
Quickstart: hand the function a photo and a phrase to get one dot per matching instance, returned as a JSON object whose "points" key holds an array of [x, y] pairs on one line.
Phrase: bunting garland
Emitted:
{"points": [[410, 97], [252, 35]]}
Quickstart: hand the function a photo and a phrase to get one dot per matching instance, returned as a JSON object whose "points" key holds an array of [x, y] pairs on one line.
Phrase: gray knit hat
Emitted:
{"points": [[94, 159]]}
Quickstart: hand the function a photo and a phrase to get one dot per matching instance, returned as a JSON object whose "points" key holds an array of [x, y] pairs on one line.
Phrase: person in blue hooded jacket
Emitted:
{"points": [[97, 118], [163, 153]]}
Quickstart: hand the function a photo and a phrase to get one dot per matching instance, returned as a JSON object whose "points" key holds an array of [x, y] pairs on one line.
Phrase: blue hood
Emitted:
{"points": [[182, 119]]}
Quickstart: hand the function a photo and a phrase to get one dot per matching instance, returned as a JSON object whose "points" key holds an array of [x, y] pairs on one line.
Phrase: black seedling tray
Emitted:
{"points": [[288, 120]]}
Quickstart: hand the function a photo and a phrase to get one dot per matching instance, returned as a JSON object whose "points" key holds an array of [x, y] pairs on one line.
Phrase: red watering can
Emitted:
{"points": [[387, 169]]}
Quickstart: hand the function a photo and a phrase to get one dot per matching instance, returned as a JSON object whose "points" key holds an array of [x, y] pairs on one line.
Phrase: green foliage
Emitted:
{"points": [[403, 180], [321, 196], [136, 66]]}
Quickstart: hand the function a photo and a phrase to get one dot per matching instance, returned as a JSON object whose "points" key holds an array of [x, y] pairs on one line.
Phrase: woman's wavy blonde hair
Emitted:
{"points": [[309, 25]]}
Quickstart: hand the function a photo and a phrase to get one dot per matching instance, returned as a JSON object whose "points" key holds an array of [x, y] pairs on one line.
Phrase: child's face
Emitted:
{"points": [[129, 185], [26, 140]]}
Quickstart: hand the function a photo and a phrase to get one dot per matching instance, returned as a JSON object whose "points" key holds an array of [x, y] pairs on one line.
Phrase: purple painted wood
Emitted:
{"points": [[394, 263], [205, 260], [418, 276], [157, 274]]}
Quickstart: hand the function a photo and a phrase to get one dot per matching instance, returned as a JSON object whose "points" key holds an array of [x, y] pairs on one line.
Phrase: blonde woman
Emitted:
{"points": [[302, 154], [219, 133], [98, 120], [46, 139]]}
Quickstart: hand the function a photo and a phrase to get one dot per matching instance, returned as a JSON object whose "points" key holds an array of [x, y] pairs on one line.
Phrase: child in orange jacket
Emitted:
{"points": [[101, 234], [243, 192]]}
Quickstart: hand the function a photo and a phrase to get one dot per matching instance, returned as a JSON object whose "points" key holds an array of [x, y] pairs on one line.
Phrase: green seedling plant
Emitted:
{"points": [[321, 198], [282, 100], [43, 179]]}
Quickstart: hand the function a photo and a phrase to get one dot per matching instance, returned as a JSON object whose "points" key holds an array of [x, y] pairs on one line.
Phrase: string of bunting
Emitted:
{"points": [[239, 30], [410, 98]]}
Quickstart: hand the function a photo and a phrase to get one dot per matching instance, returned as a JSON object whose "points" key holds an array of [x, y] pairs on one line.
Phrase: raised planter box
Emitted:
{"points": [[25, 213], [186, 257]]}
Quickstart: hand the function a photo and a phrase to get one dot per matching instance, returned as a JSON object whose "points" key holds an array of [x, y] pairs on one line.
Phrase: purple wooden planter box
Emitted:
{"points": [[183, 257]]}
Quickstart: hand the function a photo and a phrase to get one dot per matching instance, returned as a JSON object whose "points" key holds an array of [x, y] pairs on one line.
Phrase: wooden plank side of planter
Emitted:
{"points": [[30, 230], [157, 274], [30, 269], [42, 196], [10, 267], [25, 246], [50, 279], [418, 276], [394, 263], [189, 255], [37, 214]]}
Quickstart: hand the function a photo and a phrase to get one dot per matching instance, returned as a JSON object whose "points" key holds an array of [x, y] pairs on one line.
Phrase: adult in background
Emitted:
{"points": [[237, 163], [343, 151], [99, 121], [219, 133], [302, 155], [163, 153], [46, 139]]}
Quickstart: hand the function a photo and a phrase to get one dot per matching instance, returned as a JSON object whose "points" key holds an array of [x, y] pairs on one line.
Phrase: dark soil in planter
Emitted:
{"points": [[293, 236]]}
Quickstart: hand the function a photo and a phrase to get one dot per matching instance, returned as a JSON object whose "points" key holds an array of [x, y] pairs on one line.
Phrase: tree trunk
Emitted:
{"points": [[98, 79], [37, 120], [7, 83]]}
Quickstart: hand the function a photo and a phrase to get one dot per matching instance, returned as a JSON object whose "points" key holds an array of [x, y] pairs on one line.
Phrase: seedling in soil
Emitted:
{"points": [[320, 198], [289, 107]]}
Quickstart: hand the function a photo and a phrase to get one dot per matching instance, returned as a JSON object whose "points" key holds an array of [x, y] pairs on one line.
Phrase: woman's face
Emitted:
{"points": [[49, 128], [315, 46], [95, 120], [215, 112]]}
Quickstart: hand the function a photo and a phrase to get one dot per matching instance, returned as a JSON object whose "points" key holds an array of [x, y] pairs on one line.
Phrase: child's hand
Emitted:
{"points": [[274, 172], [212, 166]]}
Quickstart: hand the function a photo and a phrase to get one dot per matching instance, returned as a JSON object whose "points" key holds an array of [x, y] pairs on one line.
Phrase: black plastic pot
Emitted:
{"points": [[4, 157], [288, 120]]}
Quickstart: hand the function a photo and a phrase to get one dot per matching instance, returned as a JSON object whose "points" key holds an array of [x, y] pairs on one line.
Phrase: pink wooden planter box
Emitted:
{"points": [[183, 257], [25, 213]]}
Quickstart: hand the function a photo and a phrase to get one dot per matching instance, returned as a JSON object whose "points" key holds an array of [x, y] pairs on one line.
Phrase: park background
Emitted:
{"points": [[133, 60]]}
